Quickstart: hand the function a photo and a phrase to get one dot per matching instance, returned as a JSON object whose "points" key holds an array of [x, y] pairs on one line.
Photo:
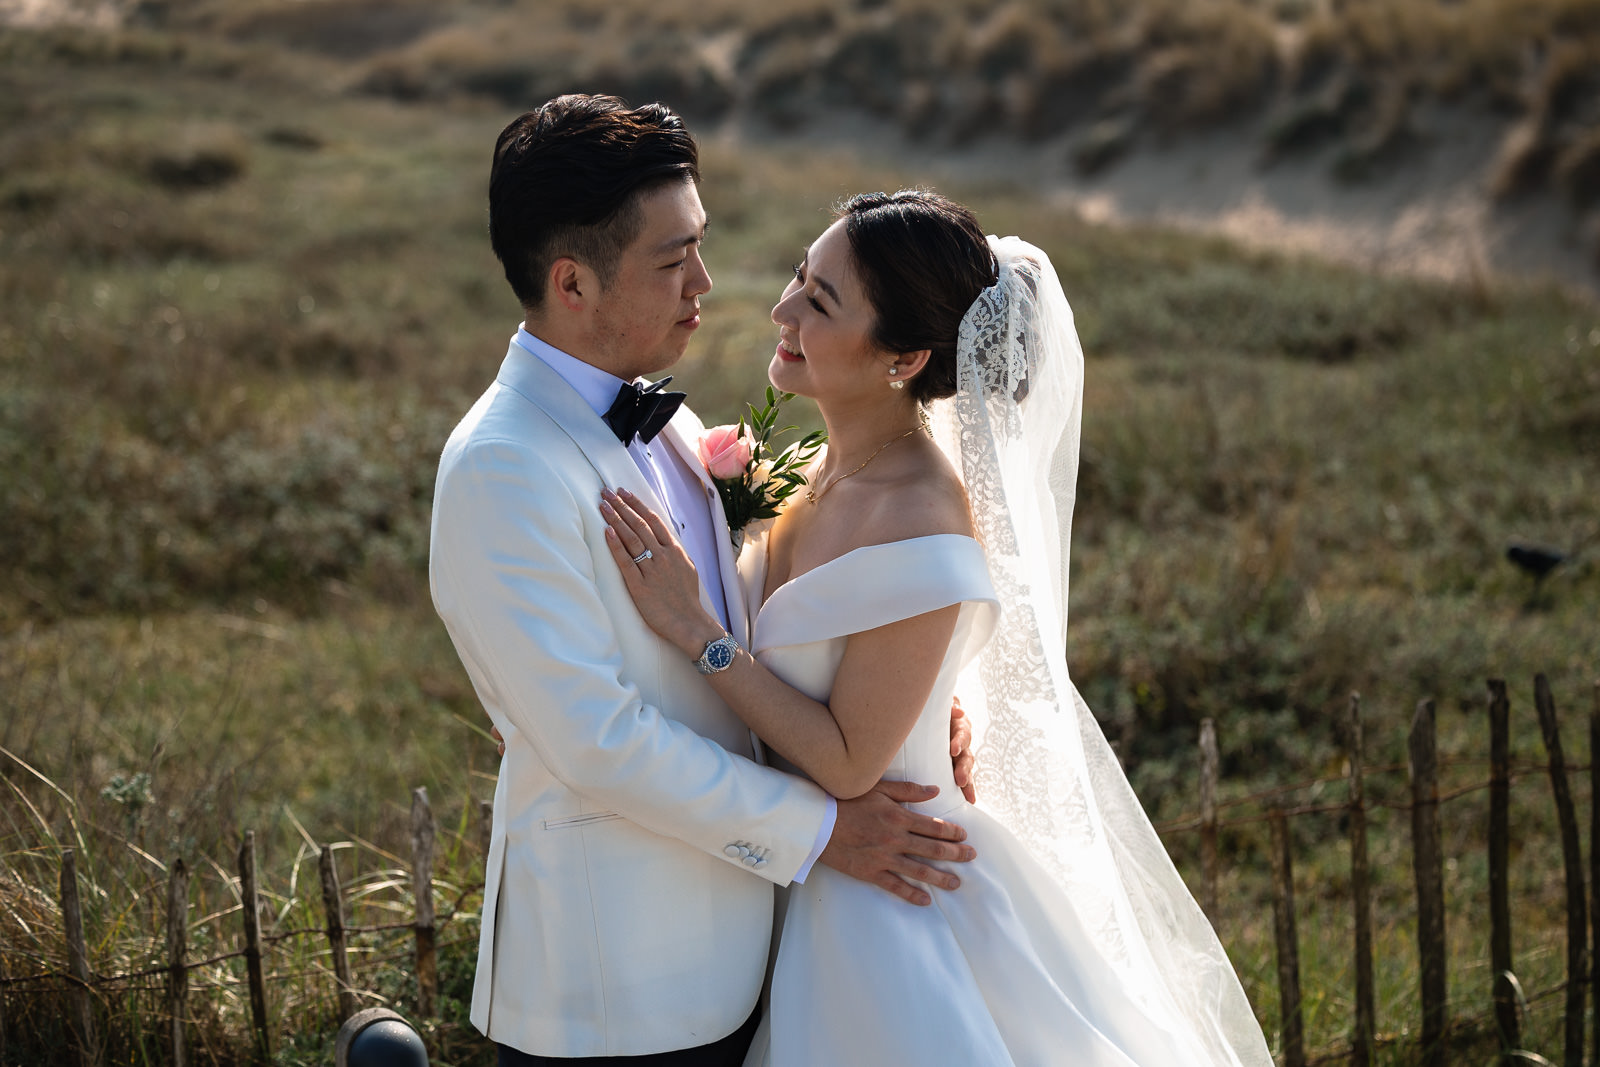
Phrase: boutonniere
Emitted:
{"points": [[751, 474]]}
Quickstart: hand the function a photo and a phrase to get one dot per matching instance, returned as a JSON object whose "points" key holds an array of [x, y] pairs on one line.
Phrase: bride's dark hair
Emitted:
{"points": [[922, 259]]}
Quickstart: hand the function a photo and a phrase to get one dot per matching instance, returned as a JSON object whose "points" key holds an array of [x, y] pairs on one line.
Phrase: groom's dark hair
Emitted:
{"points": [[567, 180]]}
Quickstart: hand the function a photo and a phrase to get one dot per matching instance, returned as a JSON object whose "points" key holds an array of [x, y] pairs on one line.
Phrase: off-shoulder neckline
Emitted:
{"points": [[825, 564]]}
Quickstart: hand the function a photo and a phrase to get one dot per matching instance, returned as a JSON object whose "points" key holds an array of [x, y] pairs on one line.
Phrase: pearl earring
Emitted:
{"points": [[895, 385]]}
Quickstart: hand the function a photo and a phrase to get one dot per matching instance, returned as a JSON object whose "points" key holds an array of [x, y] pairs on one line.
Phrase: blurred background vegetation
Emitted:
{"points": [[245, 291]]}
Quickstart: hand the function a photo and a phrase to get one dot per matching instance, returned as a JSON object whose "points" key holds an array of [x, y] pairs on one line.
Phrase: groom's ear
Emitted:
{"points": [[571, 283]]}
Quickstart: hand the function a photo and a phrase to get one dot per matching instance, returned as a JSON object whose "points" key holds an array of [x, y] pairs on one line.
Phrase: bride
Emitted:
{"points": [[927, 559]]}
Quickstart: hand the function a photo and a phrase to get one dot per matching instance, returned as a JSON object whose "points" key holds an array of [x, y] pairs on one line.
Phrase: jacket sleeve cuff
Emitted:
{"points": [[824, 832]]}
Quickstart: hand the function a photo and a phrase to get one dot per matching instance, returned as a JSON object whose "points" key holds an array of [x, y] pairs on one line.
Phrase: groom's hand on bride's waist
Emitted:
{"points": [[876, 839], [962, 762]]}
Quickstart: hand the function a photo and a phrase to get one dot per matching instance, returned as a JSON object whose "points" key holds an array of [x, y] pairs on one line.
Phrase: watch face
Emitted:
{"points": [[719, 655]]}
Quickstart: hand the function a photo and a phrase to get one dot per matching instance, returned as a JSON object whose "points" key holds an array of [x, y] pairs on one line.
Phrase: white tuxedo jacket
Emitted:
{"points": [[628, 897]]}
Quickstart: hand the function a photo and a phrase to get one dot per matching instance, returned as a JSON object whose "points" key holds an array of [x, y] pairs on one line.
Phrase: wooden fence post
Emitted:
{"points": [[252, 945], [1362, 1041], [422, 835], [1501, 962], [78, 961], [177, 962], [485, 829], [333, 910], [1572, 861], [1594, 865], [1294, 1051], [1209, 764], [1428, 863]]}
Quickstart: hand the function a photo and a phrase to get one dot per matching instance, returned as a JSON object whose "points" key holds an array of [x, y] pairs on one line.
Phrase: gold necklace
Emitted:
{"points": [[814, 497]]}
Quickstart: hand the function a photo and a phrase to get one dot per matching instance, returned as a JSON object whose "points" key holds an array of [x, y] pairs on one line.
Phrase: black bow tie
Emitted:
{"points": [[642, 411]]}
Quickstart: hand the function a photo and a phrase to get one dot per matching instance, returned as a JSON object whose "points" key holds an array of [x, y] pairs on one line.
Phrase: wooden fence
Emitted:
{"points": [[81, 985], [1434, 1016]]}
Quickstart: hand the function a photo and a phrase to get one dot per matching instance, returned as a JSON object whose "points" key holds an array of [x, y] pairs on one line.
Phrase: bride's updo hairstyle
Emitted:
{"points": [[922, 259]]}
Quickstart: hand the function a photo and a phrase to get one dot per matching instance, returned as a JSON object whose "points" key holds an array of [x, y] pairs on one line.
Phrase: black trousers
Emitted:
{"points": [[729, 1052]]}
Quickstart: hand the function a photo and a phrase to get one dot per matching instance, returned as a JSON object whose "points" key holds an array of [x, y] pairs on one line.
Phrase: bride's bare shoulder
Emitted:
{"points": [[930, 502]]}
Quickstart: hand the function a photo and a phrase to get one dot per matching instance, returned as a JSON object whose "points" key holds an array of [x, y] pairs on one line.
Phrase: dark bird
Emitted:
{"points": [[1537, 560]]}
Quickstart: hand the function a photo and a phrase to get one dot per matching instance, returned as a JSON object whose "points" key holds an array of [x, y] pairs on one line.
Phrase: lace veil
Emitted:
{"points": [[1046, 770]]}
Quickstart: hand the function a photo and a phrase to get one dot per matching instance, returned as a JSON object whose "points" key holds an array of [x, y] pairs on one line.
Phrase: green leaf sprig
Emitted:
{"points": [[772, 474]]}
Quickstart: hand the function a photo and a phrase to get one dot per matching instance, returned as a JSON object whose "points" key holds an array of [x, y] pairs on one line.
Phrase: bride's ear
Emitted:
{"points": [[907, 365]]}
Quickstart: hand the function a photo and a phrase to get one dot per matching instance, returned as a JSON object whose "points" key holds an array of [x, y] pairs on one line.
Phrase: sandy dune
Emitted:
{"points": [[1431, 216]]}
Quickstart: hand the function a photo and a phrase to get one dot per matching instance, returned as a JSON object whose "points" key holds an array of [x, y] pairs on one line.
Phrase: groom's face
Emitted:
{"points": [[645, 317]]}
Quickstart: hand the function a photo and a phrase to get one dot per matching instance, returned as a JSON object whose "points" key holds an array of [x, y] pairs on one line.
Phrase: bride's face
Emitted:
{"points": [[825, 321]]}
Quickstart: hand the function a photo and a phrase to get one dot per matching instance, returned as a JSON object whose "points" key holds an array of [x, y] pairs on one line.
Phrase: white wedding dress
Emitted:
{"points": [[1072, 939], [998, 971]]}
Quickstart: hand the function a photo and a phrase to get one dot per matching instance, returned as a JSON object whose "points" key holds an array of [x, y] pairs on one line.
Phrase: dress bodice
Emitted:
{"points": [[801, 630]]}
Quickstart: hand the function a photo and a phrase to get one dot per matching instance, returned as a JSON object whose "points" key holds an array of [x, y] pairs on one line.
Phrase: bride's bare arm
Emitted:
{"points": [[883, 681]]}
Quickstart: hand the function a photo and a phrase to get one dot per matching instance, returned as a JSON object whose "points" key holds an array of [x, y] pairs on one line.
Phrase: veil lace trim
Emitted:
{"points": [[1012, 430]]}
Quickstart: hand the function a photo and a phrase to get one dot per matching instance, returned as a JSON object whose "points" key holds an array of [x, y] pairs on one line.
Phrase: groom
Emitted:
{"points": [[637, 837]]}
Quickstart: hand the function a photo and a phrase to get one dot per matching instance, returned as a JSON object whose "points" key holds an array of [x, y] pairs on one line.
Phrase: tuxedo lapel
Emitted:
{"points": [[683, 434], [532, 378]]}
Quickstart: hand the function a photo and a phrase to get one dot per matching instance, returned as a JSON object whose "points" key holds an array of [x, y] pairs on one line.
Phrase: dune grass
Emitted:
{"points": [[240, 310], [1300, 75]]}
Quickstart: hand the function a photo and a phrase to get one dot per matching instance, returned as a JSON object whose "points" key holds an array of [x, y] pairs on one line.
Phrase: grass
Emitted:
{"points": [[124, 894], [240, 308]]}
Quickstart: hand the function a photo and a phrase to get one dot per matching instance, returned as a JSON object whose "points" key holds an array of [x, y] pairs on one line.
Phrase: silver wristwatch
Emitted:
{"points": [[718, 655]]}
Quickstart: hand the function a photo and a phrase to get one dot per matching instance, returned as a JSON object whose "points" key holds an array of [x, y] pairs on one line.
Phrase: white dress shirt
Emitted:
{"points": [[679, 490]]}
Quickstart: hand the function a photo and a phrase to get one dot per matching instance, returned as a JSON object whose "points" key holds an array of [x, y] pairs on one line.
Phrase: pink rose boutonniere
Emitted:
{"points": [[751, 477], [726, 451]]}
